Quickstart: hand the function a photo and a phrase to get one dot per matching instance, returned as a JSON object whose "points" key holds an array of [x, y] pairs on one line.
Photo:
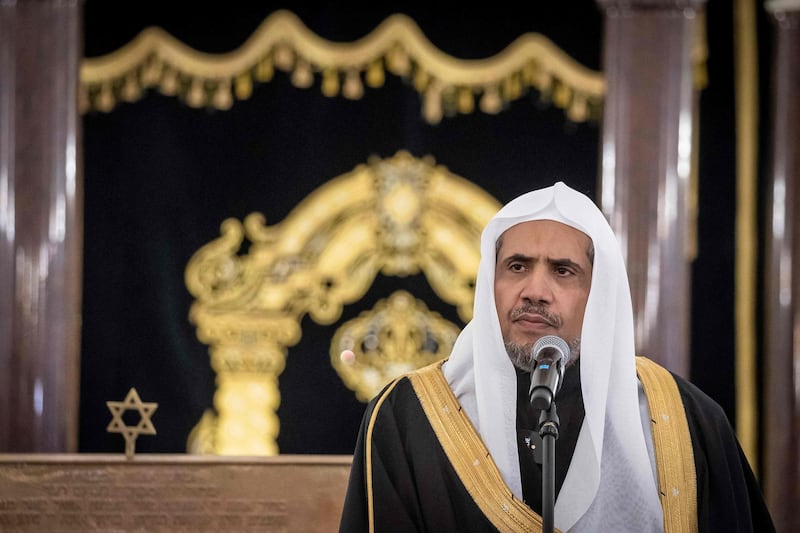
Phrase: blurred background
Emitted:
{"points": [[161, 176], [160, 169]]}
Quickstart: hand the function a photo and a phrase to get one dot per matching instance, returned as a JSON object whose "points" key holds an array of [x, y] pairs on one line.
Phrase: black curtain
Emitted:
{"points": [[160, 177]]}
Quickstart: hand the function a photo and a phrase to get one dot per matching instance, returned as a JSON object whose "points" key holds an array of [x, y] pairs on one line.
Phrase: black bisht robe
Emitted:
{"points": [[415, 487]]}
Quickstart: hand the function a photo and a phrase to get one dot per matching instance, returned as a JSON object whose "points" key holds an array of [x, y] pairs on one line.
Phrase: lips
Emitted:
{"points": [[533, 320]]}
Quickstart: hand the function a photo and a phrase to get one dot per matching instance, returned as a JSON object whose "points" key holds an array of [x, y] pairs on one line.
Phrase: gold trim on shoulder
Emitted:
{"points": [[677, 482], [368, 455], [468, 454], [476, 469]]}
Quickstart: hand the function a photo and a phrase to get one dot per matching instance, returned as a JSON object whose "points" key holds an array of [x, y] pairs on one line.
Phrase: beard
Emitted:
{"points": [[522, 355]]}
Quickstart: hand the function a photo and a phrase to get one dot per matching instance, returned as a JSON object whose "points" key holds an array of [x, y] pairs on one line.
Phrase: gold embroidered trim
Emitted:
{"points": [[482, 479], [155, 59], [677, 483], [468, 454], [368, 450]]}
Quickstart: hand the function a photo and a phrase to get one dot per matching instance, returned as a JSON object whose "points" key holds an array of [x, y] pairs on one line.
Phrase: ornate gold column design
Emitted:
{"points": [[41, 230], [647, 163], [781, 406], [397, 216], [399, 335]]}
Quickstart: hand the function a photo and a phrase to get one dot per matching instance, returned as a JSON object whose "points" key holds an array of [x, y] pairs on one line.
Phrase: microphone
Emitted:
{"points": [[550, 355]]}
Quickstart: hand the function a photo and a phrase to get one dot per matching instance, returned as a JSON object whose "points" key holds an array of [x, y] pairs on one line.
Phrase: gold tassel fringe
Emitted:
{"points": [[156, 60]]}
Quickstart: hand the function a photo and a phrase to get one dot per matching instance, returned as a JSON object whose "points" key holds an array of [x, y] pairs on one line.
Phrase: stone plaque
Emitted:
{"points": [[286, 493]]}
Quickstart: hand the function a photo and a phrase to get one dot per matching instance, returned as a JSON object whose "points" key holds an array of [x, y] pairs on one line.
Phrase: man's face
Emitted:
{"points": [[541, 284]]}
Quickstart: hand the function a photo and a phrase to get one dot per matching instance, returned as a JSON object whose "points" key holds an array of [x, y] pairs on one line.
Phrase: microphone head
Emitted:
{"points": [[550, 356], [552, 347]]}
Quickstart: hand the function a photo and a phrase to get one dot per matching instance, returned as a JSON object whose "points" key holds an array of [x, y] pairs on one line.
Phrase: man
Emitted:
{"points": [[453, 446]]}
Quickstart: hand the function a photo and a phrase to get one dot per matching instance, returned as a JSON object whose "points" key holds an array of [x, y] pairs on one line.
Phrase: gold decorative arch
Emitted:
{"points": [[155, 59], [397, 216]]}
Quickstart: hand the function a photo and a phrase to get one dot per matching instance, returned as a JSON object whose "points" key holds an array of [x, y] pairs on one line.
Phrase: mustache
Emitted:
{"points": [[537, 309]]}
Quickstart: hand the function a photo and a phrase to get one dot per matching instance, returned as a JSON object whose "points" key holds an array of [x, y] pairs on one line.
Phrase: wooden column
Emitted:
{"points": [[40, 225], [781, 421], [647, 143], [6, 220]]}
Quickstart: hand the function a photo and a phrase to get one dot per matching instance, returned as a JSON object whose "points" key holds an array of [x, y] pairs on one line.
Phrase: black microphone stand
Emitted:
{"points": [[548, 431]]}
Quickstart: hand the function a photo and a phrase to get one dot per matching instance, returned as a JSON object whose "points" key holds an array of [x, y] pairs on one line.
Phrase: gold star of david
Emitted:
{"points": [[144, 427]]}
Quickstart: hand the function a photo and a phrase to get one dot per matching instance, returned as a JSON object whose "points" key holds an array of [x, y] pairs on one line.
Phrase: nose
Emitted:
{"points": [[537, 286]]}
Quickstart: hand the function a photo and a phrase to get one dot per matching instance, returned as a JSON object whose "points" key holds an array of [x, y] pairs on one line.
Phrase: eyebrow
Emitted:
{"points": [[551, 261], [565, 262]]}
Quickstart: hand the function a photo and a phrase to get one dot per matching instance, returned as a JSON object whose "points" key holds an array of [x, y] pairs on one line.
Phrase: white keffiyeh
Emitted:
{"points": [[610, 482]]}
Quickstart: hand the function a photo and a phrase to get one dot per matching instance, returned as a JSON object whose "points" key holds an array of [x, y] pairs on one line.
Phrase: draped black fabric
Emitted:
{"points": [[415, 488], [570, 411], [160, 177], [413, 483], [728, 495]]}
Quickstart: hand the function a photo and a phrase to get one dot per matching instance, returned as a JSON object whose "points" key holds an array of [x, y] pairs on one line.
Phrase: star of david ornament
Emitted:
{"points": [[144, 427]]}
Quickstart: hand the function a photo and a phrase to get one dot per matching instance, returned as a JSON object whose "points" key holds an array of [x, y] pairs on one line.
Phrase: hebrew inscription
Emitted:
{"points": [[166, 494]]}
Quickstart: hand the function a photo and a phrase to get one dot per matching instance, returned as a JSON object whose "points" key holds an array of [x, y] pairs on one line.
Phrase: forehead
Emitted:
{"points": [[544, 237]]}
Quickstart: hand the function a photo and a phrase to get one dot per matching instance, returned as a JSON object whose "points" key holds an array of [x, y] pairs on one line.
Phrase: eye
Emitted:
{"points": [[563, 271], [516, 267]]}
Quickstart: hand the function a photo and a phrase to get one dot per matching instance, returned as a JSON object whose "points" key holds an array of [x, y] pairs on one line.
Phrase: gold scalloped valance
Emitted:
{"points": [[155, 59]]}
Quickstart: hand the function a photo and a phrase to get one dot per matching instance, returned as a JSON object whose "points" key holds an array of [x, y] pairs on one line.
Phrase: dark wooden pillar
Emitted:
{"points": [[781, 458], [647, 142], [40, 225]]}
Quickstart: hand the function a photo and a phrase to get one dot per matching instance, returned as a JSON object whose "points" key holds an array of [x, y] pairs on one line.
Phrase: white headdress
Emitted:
{"points": [[484, 380]]}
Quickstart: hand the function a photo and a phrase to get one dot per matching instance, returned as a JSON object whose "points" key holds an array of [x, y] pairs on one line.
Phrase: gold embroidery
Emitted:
{"points": [[368, 455], [677, 482], [471, 460], [469, 456]]}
